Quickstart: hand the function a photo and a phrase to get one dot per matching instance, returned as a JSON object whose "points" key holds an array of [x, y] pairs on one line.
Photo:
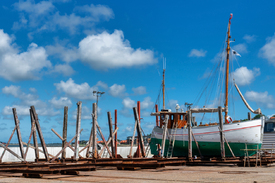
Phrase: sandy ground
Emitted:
{"points": [[166, 174]]}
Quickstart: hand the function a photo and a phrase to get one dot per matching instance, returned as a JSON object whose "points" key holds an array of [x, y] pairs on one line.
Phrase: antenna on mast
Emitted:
{"points": [[163, 83]]}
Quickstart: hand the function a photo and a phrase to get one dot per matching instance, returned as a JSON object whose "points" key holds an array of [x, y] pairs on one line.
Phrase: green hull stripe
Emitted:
{"points": [[207, 148]]}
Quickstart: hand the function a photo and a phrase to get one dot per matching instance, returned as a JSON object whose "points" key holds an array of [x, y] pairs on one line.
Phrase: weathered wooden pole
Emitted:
{"points": [[77, 133], [164, 135], [111, 132], [140, 136], [115, 134], [102, 137], [16, 120], [221, 132], [64, 135], [13, 153], [7, 144], [189, 136], [133, 140], [138, 146], [94, 130], [249, 116], [35, 116], [157, 124], [35, 142]]}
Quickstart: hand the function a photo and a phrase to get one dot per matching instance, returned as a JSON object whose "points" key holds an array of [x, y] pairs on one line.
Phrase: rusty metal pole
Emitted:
{"points": [[35, 116], [189, 136], [16, 120], [65, 126], [35, 142], [95, 153], [116, 134], [111, 132], [221, 132], [78, 123]]}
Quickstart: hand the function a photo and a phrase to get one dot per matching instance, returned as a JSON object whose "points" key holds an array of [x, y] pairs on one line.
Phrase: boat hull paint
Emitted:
{"points": [[239, 135]]}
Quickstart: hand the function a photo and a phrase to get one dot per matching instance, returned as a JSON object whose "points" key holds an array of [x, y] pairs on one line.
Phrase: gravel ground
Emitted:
{"points": [[166, 174]]}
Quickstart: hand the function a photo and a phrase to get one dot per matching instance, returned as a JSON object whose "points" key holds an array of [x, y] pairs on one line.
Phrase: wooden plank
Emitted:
{"points": [[164, 135], [95, 153], [65, 127], [115, 134], [35, 142], [105, 143], [221, 132], [77, 133], [7, 144], [140, 136], [19, 137], [189, 136], [35, 148], [111, 133], [133, 140], [35, 116], [109, 140], [13, 153]]}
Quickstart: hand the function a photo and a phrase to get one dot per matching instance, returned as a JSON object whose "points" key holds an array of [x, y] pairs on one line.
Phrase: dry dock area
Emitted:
{"points": [[164, 174]]}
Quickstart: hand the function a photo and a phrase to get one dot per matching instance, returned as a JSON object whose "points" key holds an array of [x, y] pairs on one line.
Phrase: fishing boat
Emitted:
{"points": [[170, 136]]}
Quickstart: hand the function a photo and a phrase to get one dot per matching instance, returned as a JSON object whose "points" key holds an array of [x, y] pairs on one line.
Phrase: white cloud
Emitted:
{"points": [[263, 98], [107, 51], [197, 53], [128, 103], [67, 54], [240, 48], [172, 104], [86, 113], [117, 90], [45, 16], [15, 66], [78, 91], [61, 102], [146, 103], [20, 110], [244, 76], [102, 85], [249, 38], [64, 69], [141, 90], [268, 50]]}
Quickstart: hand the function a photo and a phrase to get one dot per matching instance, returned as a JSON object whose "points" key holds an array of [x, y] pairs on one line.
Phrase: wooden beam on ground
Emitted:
{"points": [[35, 116], [17, 122], [65, 127]]}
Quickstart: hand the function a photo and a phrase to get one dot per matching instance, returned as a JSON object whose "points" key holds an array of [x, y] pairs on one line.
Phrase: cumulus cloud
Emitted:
{"points": [[128, 103], [107, 51], [67, 53], [64, 69], [25, 101], [78, 91], [45, 16], [262, 98], [197, 53], [117, 90], [249, 38], [268, 50], [244, 76], [61, 102], [240, 48], [172, 104], [16, 66], [146, 103], [141, 90]]}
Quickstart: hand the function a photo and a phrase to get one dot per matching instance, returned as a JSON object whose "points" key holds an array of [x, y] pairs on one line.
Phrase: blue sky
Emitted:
{"points": [[55, 53]]}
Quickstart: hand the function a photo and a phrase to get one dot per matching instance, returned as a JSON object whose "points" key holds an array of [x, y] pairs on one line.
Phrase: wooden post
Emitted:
{"points": [[115, 134], [35, 142], [249, 116], [18, 132], [91, 135], [9, 143], [221, 132], [65, 126], [133, 140], [164, 135], [77, 133], [13, 153], [138, 146], [102, 137], [35, 116], [189, 136], [140, 136], [107, 143], [94, 130], [111, 132]]}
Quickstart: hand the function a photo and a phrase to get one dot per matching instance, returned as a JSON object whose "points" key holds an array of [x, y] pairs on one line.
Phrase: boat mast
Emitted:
{"points": [[163, 83], [227, 69]]}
